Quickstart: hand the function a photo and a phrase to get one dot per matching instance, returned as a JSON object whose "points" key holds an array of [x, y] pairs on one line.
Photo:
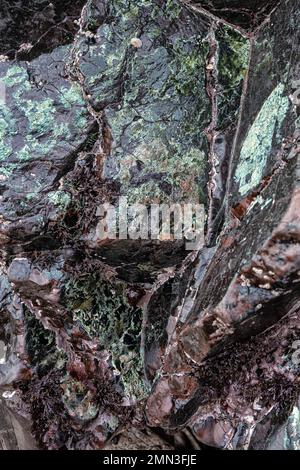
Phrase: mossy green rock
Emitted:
{"points": [[268, 117], [146, 71]]}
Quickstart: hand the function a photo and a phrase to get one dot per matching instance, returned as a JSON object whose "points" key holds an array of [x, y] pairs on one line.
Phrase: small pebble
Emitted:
{"points": [[136, 42]]}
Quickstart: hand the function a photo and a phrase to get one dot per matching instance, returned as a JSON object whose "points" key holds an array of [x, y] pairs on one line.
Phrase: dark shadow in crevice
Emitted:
{"points": [[29, 28], [245, 14]]}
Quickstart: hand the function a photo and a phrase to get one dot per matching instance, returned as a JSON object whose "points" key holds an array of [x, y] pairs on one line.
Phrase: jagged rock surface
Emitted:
{"points": [[161, 101]]}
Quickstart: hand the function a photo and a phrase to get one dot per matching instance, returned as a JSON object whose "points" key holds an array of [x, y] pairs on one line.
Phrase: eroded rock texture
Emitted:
{"points": [[141, 342]]}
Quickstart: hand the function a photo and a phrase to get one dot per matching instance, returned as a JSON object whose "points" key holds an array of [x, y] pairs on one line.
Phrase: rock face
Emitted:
{"points": [[158, 101]]}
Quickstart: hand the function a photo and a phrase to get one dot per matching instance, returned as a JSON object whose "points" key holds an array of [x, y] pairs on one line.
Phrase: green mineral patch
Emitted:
{"points": [[233, 59], [39, 342], [7, 131], [6, 171], [78, 400], [258, 142], [154, 99], [292, 431], [60, 199], [104, 313], [15, 75], [187, 67], [71, 96], [40, 115], [173, 9], [45, 124]]}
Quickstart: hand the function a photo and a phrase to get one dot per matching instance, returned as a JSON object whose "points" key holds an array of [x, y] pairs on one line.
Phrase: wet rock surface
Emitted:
{"points": [[120, 342]]}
